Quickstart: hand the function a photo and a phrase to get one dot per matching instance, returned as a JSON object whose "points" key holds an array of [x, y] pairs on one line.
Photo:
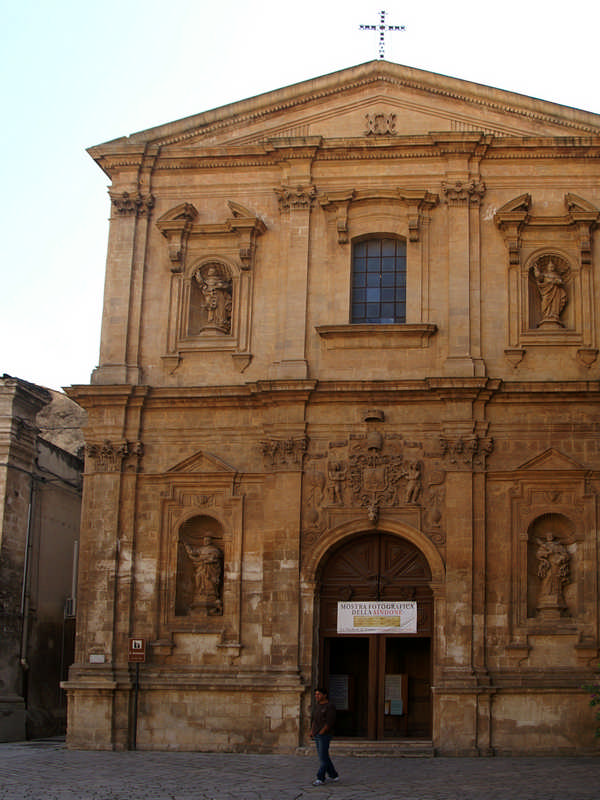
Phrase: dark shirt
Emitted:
{"points": [[323, 716]]}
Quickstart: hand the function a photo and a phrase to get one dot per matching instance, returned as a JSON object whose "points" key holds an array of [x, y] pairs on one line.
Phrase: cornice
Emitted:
{"points": [[432, 146], [255, 109]]}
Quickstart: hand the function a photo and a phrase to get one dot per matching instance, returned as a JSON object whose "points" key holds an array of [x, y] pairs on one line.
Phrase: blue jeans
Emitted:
{"points": [[326, 767]]}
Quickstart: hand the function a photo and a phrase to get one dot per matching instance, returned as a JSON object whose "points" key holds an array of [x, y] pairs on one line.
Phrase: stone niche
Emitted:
{"points": [[551, 568], [199, 584]]}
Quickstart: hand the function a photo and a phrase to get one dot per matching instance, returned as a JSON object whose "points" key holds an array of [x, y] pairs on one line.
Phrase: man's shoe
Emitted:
{"points": [[336, 779], [318, 782]]}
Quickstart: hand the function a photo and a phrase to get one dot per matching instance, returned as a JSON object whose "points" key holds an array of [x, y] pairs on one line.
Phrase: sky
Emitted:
{"points": [[76, 73]]}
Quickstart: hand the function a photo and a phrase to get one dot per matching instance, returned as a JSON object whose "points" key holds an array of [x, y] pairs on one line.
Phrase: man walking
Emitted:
{"points": [[321, 730]]}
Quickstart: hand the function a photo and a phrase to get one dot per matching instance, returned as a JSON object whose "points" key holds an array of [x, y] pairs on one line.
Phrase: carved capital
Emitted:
{"points": [[460, 452], [284, 453], [125, 204], [294, 198], [463, 192], [114, 456]]}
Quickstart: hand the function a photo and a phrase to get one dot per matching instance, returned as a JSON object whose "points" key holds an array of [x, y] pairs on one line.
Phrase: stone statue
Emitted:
{"points": [[337, 472], [412, 472], [216, 296], [552, 292], [553, 570], [207, 560]]}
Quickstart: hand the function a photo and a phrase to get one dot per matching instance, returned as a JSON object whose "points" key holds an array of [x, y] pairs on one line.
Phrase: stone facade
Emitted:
{"points": [[40, 504], [264, 439]]}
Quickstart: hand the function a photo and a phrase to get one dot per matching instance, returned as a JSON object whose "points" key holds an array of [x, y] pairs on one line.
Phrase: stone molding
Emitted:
{"points": [[416, 202]]}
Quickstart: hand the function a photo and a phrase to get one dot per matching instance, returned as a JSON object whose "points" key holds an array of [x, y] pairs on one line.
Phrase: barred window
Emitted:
{"points": [[379, 281]]}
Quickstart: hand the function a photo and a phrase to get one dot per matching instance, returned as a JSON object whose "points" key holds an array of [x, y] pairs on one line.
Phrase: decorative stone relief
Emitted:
{"points": [[110, 456], [380, 124], [465, 451], [463, 192], [295, 197], [283, 453], [374, 472], [125, 204]]}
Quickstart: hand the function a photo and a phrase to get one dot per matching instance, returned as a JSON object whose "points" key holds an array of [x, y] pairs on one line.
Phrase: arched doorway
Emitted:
{"points": [[380, 682]]}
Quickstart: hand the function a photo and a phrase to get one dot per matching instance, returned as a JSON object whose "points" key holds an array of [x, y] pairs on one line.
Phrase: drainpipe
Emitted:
{"points": [[25, 591]]}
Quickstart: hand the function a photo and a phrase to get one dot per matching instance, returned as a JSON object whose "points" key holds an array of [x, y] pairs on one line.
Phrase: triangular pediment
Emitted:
{"points": [[551, 459], [205, 463], [372, 100]]}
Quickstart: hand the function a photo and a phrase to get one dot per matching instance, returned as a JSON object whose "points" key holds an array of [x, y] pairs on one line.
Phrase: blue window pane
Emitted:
{"points": [[373, 279], [372, 309], [373, 265], [387, 310], [359, 295], [373, 295], [388, 279], [388, 247], [373, 247], [360, 249], [359, 280]]}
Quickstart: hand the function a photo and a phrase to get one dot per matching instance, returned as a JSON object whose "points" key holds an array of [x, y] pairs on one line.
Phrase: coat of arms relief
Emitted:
{"points": [[373, 472]]}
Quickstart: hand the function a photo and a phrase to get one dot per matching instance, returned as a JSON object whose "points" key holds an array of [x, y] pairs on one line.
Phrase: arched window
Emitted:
{"points": [[378, 281]]}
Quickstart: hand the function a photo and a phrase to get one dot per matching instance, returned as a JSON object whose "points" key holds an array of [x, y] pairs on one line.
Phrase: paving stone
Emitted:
{"points": [[48, 771]]}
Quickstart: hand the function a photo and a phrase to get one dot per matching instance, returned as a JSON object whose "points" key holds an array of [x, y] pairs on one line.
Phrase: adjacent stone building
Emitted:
{"points": [[40, 507], [349, 354]]}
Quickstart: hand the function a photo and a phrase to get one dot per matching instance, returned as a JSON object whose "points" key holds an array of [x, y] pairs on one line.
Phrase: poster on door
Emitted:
{"points": [[377, 617]]}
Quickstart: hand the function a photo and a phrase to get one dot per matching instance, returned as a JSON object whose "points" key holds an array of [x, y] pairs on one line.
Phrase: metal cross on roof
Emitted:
{"points": [[382, 28]]}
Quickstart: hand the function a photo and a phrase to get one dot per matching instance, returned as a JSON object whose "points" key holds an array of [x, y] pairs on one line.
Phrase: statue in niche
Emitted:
{"points": [[207, 561], [553, 296], [216, 297], [553, 570]]}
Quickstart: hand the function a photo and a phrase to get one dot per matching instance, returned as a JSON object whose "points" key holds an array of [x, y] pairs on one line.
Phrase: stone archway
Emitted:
{"points": [[380, 682]]}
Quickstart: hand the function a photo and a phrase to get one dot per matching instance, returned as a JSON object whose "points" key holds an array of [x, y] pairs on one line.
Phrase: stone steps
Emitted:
{"points": [[393, 748]]}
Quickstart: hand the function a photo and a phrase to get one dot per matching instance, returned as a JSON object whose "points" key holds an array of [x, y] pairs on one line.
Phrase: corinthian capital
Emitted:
{"points": [[295, 197], [463, 192], [125, 204]]}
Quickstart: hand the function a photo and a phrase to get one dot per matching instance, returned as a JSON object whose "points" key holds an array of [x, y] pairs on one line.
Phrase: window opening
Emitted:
{"points": [[379, 281]]}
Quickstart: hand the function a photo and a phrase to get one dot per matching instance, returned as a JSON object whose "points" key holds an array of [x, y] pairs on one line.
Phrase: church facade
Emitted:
{"points": [[349, 361]]}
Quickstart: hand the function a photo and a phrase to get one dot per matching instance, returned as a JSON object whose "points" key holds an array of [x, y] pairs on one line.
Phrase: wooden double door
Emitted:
{"points": [[380, 683]]}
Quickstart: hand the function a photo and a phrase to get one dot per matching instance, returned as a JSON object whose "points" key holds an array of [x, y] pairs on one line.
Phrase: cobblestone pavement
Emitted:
{"points": [[46, 770]]}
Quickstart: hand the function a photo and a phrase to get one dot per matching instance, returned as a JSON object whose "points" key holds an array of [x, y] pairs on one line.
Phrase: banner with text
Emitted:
{"points": [[377, 617]]}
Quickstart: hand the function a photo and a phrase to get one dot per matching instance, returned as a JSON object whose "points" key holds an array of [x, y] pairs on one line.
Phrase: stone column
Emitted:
{"points": [[462, 191], [296, 197], [119, 362]]}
